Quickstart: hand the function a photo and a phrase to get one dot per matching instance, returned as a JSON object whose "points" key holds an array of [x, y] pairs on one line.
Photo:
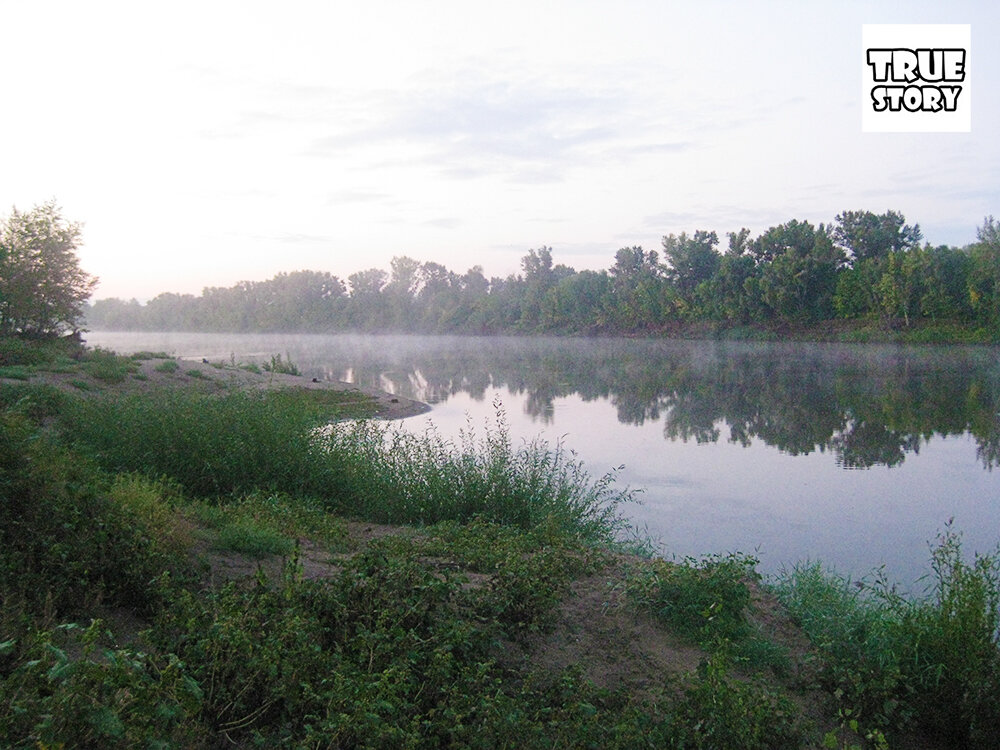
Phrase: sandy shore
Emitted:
{"points": [[194, 373]]}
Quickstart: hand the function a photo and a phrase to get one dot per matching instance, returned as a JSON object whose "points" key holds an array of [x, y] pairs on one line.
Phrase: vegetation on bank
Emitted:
{"points": [[436, 636], [863, 277]]}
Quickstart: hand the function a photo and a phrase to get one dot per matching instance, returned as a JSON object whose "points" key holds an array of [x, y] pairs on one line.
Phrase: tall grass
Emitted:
{"points": [[396, 476], [232, 444], [897, 662], [243, 442]]}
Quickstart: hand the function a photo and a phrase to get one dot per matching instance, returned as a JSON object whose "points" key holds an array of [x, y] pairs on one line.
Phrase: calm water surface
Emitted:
{"points": [[853, 455]]}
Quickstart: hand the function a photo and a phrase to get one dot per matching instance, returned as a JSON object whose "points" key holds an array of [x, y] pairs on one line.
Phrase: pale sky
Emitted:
{"points": [[205, 143]]}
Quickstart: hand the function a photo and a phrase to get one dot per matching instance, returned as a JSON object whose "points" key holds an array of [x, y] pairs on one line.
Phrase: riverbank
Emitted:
{"points": [[149, 372], [259, 583]]}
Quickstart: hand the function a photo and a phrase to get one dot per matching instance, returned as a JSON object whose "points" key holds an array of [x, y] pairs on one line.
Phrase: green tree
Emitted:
{"points": [[901, 286], [42, 287], [798, 270], [574, 303], [637, 295], [367, 305], [867, 235], [984, 273], [692, 260]]}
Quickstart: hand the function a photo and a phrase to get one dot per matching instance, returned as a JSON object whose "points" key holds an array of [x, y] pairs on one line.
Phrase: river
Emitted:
{"points": [[855, 455]]}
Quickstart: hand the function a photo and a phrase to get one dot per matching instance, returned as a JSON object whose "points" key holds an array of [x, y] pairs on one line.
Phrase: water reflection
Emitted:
{"points": [[867, 405]]}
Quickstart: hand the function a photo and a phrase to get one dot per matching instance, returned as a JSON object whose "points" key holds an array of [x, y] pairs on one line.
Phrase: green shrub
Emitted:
{"points": [[235, 443], [253, 540], [15, 372], [103, 698], [895, 662], [144, 355], [64, 544], [156, 506], [243, 442], [105, 365], [36, 352], [705, 600], [394, 476], [285, 367], [168, 366], [34, 401]]}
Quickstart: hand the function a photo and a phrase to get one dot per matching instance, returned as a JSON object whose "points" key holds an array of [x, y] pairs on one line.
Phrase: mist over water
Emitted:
{"points": [[853, 454]]}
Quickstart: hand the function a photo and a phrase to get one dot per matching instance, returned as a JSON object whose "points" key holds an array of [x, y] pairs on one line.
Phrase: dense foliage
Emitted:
{"points": [[865, 266], [42, 287], [895, 661]]}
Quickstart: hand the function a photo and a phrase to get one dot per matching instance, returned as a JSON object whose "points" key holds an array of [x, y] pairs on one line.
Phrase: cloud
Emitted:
{"points": [[526, 131]]}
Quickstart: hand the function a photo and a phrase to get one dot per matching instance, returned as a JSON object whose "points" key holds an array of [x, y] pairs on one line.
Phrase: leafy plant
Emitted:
{"points": [[168, 366], [285, 367], [107, 366], [894, 662], [706, 600]]}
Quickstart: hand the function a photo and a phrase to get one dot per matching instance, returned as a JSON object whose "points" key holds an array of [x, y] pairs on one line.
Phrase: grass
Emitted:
{"points": [[240, 442], [278, 365], [895, 662], [15, 372], [268, 524], [105, 365], [394, 476], [168, 366]]}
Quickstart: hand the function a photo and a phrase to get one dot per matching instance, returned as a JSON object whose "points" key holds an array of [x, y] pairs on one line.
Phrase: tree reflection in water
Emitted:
{"points": [[868, 405]]}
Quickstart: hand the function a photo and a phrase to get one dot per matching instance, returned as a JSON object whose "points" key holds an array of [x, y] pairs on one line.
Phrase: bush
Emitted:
{"points": [[168, 366], [64, 543], [102, 698], [231, 444], [284, 367], [395, 476], [107, 366], [705, 600], [897, 662]]}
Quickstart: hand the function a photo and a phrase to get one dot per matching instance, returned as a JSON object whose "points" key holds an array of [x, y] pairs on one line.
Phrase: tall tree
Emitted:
{"points": [[42, 287], [864, 234], [692, 259]]}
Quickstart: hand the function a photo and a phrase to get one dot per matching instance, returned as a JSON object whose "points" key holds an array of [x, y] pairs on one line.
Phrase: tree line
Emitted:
{"points": [[863, 266]]}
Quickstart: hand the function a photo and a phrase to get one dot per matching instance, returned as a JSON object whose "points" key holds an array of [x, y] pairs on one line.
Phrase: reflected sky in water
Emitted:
{"points": [[855, 455]]}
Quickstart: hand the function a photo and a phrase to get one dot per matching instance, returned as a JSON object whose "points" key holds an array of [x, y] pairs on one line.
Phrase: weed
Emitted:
{"points": [[284, 367], [705, 600], [895, 662], [253, 539], [15, 372], [64, 543], [35, 402], [394, 476], [105, 365], [104, 698], [195, 374], [144, 355], [168, 366]]}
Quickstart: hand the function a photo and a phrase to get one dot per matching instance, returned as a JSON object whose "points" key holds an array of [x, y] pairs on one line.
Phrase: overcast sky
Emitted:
{"points": [[205, 143]]}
